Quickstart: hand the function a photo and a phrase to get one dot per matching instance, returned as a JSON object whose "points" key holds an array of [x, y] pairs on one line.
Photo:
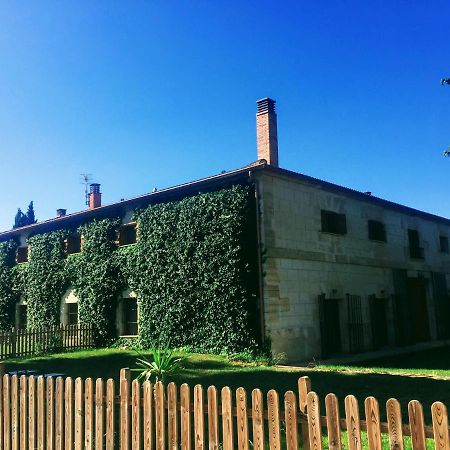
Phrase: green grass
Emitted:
{"points": [[420, 376], [383, 379]]}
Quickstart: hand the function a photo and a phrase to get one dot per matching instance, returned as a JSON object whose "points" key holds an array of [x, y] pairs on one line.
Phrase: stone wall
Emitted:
{"points": [[303, 262]]}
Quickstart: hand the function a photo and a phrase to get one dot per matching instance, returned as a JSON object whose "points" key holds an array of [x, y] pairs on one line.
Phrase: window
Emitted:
{"points": [[443, 242], [21, 318], [73, 243], [22, 255], [377, 231], [130, 316], [333, 222], [415, 251], [72, 313], [127, 234]]}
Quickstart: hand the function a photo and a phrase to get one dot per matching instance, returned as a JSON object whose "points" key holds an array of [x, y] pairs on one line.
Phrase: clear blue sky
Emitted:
{"points": [[147, 94]]}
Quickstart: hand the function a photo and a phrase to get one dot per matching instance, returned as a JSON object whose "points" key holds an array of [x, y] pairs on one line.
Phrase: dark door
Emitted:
{"points": [[417, 300], [378, 319], [22, 319], [131, 316], [329, 326]]}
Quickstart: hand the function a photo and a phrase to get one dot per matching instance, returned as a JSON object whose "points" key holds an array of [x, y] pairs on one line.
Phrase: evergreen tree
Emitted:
{"points": [[30, 214], [20, 219]]}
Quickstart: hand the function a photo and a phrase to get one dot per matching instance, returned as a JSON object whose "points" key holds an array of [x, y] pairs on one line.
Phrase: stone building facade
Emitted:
{"points": [[341, 271]]}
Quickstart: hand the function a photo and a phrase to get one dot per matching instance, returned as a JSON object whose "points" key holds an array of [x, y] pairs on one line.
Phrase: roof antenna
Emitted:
{"points": [[86, 179]]}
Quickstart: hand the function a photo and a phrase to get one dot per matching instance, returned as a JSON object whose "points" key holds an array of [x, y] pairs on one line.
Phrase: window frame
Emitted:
{"points": [[376, 234], [333, 222], [22, 250], [444, 246], [121, 233]]}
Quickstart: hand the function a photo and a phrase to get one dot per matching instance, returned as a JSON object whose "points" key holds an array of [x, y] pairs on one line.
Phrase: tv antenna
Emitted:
{"points": [[86, 179]]}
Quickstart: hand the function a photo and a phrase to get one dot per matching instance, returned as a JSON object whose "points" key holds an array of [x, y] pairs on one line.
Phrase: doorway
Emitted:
{"points": [[417, 303], [330, 328]]}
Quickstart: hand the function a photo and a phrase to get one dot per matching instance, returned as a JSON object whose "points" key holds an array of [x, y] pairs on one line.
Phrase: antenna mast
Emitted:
{"points": [[86, 179]]}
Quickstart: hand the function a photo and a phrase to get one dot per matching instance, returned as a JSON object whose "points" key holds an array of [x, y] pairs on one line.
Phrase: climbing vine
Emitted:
{"points": [[194, 271], [46, 280], [8, 296], [193, 268], [96, 276]]}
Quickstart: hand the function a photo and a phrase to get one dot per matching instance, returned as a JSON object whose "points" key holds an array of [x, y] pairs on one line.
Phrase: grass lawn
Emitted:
{"points": [[390, 377]]}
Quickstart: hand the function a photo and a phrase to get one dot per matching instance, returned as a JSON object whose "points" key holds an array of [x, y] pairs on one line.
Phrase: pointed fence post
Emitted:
{"points": [[125, 387], [304, 387]]}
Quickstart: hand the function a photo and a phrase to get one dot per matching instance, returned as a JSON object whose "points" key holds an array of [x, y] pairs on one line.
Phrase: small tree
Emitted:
{"points": [[30, 214], [20, 219]]}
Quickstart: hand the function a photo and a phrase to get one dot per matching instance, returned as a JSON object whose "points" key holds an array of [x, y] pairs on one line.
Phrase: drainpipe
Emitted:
{"points": [[260, 262]]}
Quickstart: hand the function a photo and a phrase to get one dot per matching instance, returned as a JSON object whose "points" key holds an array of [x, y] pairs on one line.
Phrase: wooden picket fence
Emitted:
{"points": [[15, 343], [38, 413]]}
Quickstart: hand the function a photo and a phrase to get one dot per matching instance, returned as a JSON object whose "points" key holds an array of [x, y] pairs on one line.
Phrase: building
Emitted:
{"points": [[340, 271]]}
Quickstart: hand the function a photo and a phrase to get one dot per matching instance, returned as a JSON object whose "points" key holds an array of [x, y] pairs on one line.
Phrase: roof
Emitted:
{"points": [[215, 181]]}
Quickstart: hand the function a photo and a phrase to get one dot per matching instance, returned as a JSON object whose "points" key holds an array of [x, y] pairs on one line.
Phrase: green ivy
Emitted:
{"points": [[194, 270], [46, 279], [8, 295], [96, 276]]}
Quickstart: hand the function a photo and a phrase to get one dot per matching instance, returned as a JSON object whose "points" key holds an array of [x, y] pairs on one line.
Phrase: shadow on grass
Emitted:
{"points": [[214, 370], [432, 359]]}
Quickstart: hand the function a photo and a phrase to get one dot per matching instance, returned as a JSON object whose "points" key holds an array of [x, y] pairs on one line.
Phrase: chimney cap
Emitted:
{"points": [[265, 105], [95, 188], [61, 212]]}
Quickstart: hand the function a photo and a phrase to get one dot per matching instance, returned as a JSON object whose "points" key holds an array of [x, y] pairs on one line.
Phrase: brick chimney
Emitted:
{"points": [[61, 212], [266, 131], [95, 196]]}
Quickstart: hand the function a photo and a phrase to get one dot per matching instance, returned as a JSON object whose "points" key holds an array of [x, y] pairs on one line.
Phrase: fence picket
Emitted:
{"points": [[99, 415], [440, 426], [32, 413], [242, 420], [314, 428], [353, 423], [199, 419], [14, 413], [68, 415], [40, 413], [290, 412], [125, 409], [372, 411], [88, 414], [6, 413], [148, 416], [416, 424], [213, 419], [59, 414], [395, 426], [79, 428], [304, 386], [110, 416], [172, 420], [258, 419], [159, 417], [50, 409], [273, 416], [333, 422], [185, 416], [135, 415], [227, 419], [23, 394]]}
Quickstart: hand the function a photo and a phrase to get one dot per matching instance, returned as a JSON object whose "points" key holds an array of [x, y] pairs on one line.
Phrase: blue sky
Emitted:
{"points": [[148, 94]]}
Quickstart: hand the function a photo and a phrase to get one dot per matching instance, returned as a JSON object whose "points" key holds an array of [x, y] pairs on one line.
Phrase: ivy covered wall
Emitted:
{"points": [[193, 268]]}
